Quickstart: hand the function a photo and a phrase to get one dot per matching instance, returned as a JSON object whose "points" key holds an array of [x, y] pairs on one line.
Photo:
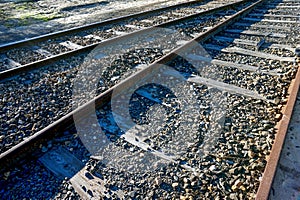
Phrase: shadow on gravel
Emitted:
{"points": [[19, 1], [89, 5]]}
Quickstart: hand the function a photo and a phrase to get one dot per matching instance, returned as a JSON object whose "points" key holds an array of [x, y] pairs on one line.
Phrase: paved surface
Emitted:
{"points": [[286, 184]]}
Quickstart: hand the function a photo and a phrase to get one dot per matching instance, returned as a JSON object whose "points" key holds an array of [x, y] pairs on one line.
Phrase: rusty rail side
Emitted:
{"points": [[270, 169]]}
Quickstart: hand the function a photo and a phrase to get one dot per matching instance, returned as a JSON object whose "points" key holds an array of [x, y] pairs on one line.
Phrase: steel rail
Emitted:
{"points": [[270, 169], [17, 70], [30, 41], [23, 150]]}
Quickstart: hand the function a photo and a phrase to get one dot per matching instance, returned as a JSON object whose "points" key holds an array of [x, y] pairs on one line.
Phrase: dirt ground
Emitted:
{"points": [[21, 19]]}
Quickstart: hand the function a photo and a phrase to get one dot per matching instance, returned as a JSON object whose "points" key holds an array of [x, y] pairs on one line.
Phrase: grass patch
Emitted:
{"points": [[24, 6], [29, 18], [39, 17], [45, 17]]}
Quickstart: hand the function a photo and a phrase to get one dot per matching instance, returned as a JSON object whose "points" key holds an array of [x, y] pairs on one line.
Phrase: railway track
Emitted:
{"points": [[249, 62], [28, 52]]}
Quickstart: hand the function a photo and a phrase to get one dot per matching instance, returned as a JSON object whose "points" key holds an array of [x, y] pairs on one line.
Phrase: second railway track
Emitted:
{"points": [[253, 67], [27, 51]]}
